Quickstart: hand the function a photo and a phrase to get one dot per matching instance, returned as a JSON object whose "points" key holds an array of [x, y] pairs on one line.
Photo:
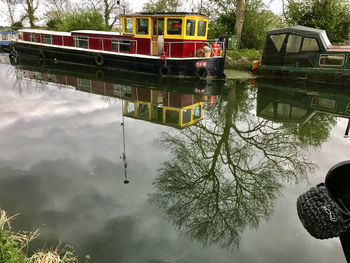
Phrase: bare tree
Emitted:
{"points": [[111, 10], [60, 7], [11, 6], [30, 7]]}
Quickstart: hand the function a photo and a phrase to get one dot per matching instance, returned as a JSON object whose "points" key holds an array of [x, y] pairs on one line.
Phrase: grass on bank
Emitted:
{"points": [[241, 59], [14, 246]]}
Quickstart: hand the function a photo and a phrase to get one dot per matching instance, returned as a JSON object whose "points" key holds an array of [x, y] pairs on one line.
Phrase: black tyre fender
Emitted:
{"points": [[164, 70], [42, 57], [100, 74], [338, 77], [201, 72], [99, 60]]}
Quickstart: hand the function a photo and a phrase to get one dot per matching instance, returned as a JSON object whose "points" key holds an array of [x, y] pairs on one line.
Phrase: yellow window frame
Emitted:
{"points": [[166, 35], [134, 26], [180, 111], [136, 113], [206, 29]]}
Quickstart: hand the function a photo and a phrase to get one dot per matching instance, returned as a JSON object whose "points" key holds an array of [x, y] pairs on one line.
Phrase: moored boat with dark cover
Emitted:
{"points": [[6, 40], [161, 44], [306, 53]]}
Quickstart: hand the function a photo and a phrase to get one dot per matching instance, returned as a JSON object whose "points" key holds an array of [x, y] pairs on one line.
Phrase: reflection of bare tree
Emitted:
{"points": [[225, 174], [23, 83]]}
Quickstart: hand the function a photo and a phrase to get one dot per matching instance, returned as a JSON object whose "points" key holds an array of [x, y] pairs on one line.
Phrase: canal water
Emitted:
{"points": [[130, 169]]}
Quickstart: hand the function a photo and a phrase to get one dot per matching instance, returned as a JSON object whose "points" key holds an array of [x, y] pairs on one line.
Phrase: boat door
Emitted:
{"points": [[157, 44]]}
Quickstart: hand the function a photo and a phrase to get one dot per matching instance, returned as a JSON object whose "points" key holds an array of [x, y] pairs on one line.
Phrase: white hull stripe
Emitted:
{"points": [[110, 52]]}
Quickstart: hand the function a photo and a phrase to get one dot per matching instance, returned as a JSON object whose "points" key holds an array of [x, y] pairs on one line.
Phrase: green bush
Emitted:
{"points": [[78, 20], [332, 16], [257, 21], [244, 54], [241, 59]]}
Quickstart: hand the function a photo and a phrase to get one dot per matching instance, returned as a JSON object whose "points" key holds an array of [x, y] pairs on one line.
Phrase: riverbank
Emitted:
{"points": [[14, 246], [241, 59]]}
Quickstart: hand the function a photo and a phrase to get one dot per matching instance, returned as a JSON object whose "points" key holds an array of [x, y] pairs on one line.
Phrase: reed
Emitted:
{"points": [[14, 246]]}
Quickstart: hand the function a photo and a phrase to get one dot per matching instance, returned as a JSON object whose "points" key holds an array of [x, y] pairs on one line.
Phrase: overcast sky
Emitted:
{"points": [[274, 5]]}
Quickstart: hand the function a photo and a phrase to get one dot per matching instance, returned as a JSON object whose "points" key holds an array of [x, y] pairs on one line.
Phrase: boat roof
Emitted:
{"points": [[41, 31], [8, 32], [297, 29], [173, 14], [110, 33], [304, 31]]}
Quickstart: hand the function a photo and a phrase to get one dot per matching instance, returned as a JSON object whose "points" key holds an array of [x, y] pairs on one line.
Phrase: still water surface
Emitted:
{"points": [[221, 189]]}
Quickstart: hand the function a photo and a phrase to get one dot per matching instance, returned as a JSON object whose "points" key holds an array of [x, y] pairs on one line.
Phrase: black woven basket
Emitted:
{"points": [[320, 214]]}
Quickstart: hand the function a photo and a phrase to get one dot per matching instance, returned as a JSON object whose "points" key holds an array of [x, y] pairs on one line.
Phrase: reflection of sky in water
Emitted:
{"points": [[61, 169]]}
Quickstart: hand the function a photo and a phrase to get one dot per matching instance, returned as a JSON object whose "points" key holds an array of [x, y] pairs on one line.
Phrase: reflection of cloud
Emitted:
{"points": [[98, 216], [61, 171], [60, 123]]}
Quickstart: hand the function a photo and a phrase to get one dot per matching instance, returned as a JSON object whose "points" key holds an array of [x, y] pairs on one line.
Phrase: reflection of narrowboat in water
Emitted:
{"points": [[161, 44], [6, 40], [297, 102], [4, 58], [303, 52], [172, 108]]}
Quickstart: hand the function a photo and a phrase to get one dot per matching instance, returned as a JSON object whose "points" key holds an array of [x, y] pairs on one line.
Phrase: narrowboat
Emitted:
{"points": [[6, 40], [161, 44], [306, 53]]}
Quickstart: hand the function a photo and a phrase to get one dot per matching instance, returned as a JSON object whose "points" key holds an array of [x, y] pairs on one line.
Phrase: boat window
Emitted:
{"points": [[325, 38], [298, 113], [130, 108], [293, 44], [143, 111], [84, 84], [161, 26], [122, 90], [190, 27], [121, 45], [174, 26], [186, 116], [129, 24], [309, 44], [323, 103], [332, 60], [268, 111], [197, 112], [347, 111], [171, 117], [202, 28], [157, 113], [283, 111], [158, 27], [142, 26], [81, 41], [4, 37], [48, 39], [278, 41], [38, 75], [32, 37], [51, 77]]}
